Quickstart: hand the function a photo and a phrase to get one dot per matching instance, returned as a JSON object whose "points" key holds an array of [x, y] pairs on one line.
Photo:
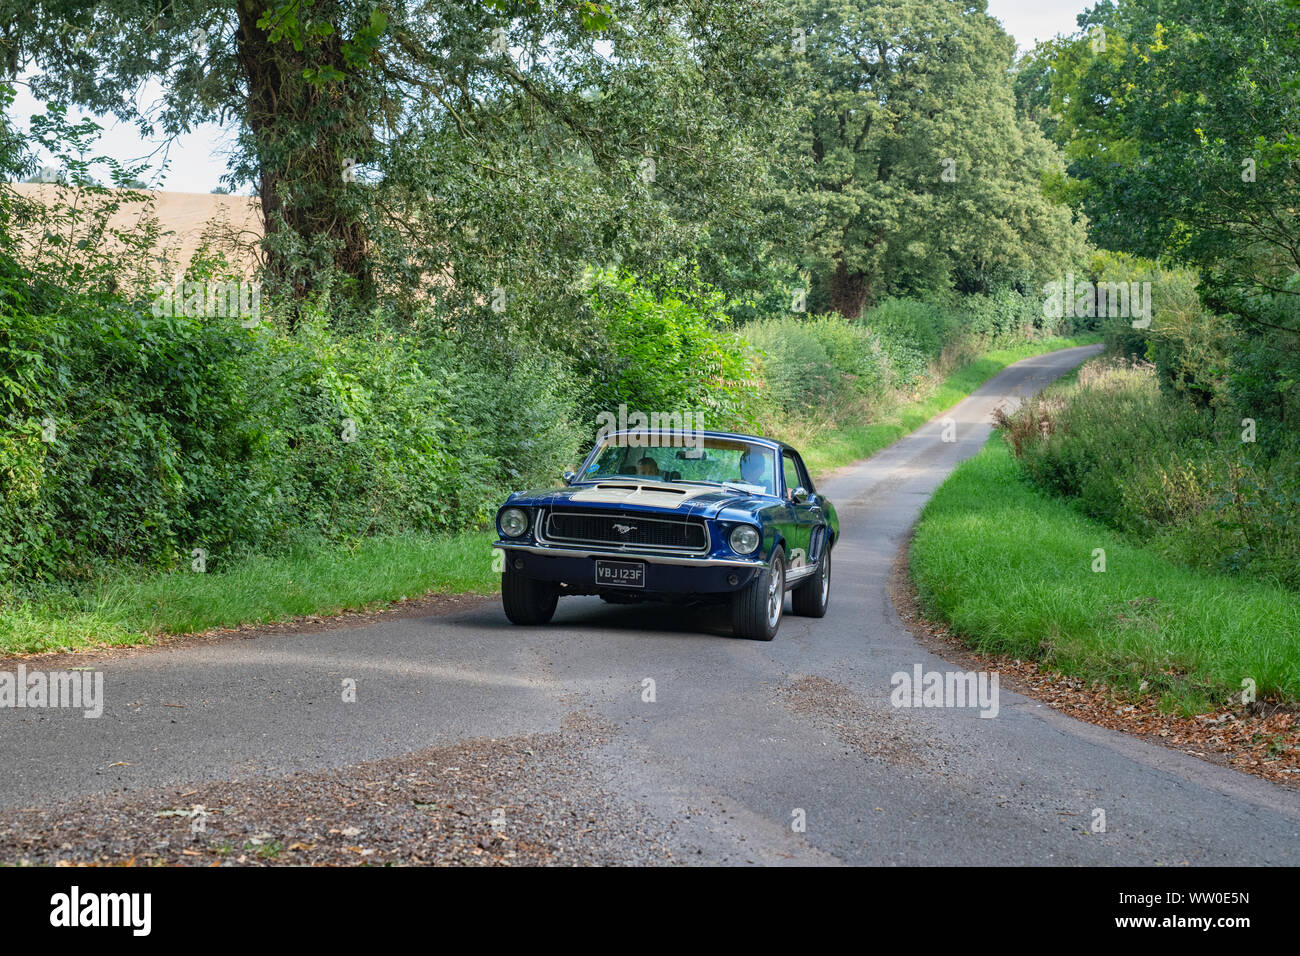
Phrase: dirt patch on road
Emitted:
{"points": [[528, 800], [1262, 739], [874, 732]]}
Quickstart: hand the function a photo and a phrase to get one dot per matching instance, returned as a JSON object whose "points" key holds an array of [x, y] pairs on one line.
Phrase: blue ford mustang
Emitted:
{"points": [[685, 516]]}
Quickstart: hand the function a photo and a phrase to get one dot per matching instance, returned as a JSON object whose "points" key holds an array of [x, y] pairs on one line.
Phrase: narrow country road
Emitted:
{"points": [[743, 744]]}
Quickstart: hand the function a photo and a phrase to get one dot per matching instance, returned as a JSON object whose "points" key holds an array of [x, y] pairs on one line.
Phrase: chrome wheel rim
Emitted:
{"points": [[775, 593], [826, 578]]}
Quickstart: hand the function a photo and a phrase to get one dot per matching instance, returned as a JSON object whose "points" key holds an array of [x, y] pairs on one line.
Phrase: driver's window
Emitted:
{"points": [[789, 475], [803, 475]]}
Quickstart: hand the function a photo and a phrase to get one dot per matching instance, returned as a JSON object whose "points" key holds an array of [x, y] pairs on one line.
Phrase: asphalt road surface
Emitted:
{"points": [[779, 753]]}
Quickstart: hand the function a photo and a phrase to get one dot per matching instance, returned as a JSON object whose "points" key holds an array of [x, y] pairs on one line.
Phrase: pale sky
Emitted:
{"points": [[1029, 21], [197, 160]]}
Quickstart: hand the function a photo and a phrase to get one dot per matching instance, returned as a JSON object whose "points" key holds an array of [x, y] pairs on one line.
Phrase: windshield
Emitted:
{"points": [[712, 460]]}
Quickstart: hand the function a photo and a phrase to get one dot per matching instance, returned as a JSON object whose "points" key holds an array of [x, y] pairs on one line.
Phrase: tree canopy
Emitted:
{"points": [[506, 144], [911, 163], [1181, 123]]}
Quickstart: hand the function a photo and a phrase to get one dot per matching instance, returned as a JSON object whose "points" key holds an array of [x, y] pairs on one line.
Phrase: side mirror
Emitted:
{"points": [[799, 495], [568, 477]]}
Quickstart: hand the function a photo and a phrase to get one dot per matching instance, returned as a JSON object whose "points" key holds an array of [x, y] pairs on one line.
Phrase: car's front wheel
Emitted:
{"points": [[527, 600], [810, 598], [756, 609]]}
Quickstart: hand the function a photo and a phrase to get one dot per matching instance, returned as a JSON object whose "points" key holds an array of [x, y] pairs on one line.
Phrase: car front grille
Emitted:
{"points": [[634, 531]]}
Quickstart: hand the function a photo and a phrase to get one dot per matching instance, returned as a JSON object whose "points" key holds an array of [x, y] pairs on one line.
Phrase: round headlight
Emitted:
{"points": [[744, 538], [514, 522]]}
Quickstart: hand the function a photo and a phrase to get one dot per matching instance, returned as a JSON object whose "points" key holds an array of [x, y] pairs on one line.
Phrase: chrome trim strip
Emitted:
{"points": [[755, 439], [683, 560], [543, 535]]}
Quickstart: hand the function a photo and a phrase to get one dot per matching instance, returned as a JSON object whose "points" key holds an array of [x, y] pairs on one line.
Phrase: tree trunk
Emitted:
{"points": [[302, 133], [849, 291]]}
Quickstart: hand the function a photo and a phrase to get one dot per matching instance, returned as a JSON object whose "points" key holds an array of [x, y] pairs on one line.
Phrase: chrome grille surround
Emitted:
{"points": [[596, 528]]}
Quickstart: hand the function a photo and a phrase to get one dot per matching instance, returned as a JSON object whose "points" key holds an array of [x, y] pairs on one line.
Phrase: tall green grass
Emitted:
{"points": [[1177, 478], [1012, 570]]}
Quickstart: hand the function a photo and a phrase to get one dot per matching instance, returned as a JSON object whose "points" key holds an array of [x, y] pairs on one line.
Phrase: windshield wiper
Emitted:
{"points": [[732, 485], [745, 487]]}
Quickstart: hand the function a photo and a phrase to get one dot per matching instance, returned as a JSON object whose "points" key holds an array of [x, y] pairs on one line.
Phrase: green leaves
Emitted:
{"points": [[289, 21], [670, 352], [358, 51], [595, 16], [322, 76], [1183, 140]]}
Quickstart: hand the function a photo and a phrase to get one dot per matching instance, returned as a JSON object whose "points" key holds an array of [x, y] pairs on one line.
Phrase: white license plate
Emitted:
{"points": [[621, 574]]}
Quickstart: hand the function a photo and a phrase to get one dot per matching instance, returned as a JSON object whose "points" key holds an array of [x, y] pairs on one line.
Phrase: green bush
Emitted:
{"points": [[1007, 314], [1111, 426], [668, 353], [520, 413], [822, 367], [853, 350], [821, 364], [1263, 377], [796, 367], [173, 433], [1189, 345], [1166, 471], [914, 325], [126, 425]]}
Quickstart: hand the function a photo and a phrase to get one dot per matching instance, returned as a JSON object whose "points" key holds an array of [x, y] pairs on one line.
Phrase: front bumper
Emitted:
{"points": [[664, 574]]}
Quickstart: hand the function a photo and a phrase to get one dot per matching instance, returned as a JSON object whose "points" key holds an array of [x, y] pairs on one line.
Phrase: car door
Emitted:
{"points": [[818, 517], [805, 515]]}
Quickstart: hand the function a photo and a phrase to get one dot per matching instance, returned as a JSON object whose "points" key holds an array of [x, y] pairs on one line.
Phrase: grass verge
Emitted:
{"points": [[1011, 569], [131, 607]]}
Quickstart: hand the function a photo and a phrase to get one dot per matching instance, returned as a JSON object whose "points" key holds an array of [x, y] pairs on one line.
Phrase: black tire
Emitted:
{"points": [[752, 615], [527, 600], [810, 598]]}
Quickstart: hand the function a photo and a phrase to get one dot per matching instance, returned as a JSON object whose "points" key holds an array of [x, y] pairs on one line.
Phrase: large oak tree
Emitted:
{"points": [[912, 163], [404, 147]]}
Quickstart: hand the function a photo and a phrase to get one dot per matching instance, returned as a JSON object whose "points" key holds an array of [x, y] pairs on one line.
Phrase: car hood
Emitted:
{"points": [[629, 494]]}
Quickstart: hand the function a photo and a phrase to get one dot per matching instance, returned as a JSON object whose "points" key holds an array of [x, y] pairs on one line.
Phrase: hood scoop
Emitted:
{"points": [[652, 494]]}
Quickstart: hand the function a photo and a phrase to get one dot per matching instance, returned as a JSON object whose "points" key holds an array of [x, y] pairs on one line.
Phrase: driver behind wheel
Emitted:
{"points": [[754, 470]]}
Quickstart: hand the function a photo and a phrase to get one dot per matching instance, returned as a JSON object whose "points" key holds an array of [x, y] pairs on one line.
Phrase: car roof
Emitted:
{"points": [[757, 439]]}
